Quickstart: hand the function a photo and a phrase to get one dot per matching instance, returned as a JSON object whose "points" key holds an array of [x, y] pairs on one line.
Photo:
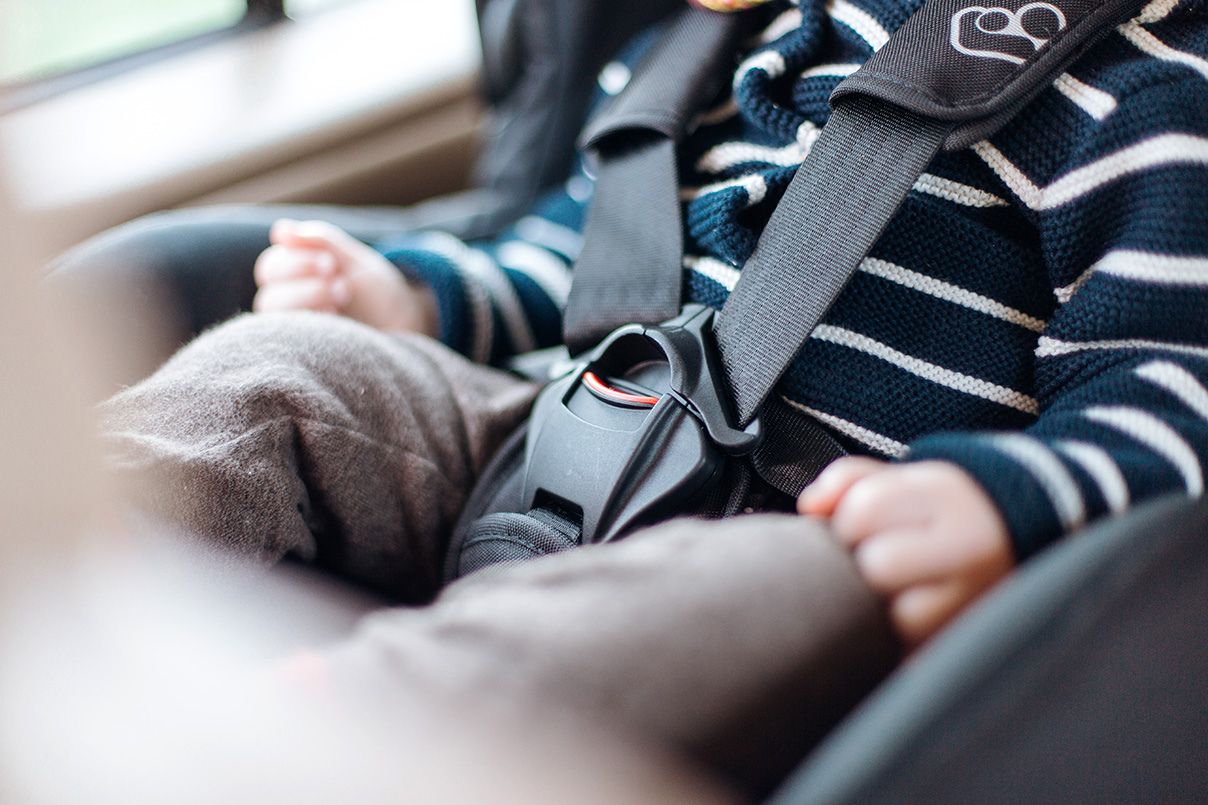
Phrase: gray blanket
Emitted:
{"points": [[738, 642]]}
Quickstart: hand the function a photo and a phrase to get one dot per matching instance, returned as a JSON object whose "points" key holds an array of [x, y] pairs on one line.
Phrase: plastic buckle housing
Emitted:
{"points": [[638, 431]]}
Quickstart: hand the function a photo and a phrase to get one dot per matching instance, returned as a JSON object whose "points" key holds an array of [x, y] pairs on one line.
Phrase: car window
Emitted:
{"points": [[300, 8], [39, 39]]}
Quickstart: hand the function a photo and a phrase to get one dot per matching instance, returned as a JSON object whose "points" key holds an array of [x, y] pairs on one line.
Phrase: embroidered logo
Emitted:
{"points": [[990, 23]]}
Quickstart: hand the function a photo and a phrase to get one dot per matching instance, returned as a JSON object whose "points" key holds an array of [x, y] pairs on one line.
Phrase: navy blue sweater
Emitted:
{"points": [[1037, 312]]}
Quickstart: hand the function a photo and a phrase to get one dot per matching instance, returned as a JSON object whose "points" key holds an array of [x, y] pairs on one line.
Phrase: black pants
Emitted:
{"points": [[159, 280]]}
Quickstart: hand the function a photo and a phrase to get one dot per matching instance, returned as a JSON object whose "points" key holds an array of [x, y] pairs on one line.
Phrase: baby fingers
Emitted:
{"points": [[309, 293], [820, 497], [920, 612], [281, 263], [320, 236], [891, 561]]}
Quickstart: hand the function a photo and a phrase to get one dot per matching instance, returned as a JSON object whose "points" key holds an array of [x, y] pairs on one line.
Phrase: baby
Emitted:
{"points": [[925, 535], [1022, 351]]}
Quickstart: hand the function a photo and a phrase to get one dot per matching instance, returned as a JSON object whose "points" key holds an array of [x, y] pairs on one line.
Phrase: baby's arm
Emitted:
{"points": [[925, 535], [314, 265]]}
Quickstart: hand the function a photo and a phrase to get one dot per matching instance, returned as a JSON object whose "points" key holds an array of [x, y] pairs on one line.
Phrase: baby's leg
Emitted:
{"points": [[314, 436]]}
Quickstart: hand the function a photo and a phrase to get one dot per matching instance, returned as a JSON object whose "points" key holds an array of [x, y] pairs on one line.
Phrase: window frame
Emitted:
{"points": [[392, 117], [17, 94]]}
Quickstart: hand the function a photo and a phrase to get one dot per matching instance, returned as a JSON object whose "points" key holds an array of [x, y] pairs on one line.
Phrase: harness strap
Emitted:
{"points": [[795, 448], [631, 266], [856, 176], [639, 178]]}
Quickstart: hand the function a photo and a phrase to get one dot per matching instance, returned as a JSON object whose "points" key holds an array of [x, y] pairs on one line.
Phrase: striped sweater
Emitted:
{"points": [[1037, 311]]}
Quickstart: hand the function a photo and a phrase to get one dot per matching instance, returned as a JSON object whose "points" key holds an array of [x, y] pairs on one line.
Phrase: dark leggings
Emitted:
{"points": [[154, 283]]}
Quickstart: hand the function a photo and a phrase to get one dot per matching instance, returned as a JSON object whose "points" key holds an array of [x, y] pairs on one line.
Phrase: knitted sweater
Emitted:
{"points": [[1036, 312]]}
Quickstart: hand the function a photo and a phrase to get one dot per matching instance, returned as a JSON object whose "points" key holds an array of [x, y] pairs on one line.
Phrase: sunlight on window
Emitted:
{"points": [[300, 8], [40, 38]]}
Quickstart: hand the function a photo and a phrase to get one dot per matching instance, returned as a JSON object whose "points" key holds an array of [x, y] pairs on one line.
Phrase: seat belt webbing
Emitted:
{"points": [[856, 175], [647, 257], [631, 266]]}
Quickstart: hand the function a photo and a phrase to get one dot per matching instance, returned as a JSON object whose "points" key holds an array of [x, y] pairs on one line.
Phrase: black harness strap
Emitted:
{"points": [[631, 266], [857, 174], [628, 273]]}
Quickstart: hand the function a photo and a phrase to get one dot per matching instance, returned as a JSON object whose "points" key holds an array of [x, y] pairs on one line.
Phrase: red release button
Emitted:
{"points": [[604, 390]]}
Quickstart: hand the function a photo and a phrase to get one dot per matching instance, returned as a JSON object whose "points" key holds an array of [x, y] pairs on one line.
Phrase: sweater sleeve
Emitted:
{"points": [[503, 296], [1121, 371]]}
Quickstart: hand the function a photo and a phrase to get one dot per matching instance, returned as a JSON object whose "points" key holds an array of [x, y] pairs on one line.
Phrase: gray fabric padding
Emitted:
{"points": [[1081, 680]]}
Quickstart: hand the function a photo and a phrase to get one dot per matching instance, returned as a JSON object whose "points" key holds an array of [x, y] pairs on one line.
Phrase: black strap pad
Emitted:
{"points": [[976, 62], [675, 78]]}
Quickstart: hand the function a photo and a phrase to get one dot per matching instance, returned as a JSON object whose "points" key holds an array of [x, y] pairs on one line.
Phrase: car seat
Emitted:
{"points": [[1080, 680]]}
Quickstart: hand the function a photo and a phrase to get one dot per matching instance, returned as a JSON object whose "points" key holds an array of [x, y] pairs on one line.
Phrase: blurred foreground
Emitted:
{"points": [[132, 671]]}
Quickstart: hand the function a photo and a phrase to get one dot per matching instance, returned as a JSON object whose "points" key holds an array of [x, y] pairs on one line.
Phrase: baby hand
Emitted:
{"points": [[314, 265], [925, 535]]}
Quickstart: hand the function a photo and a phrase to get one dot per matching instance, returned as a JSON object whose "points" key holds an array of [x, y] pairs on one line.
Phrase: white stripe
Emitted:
{"points": [[786, 22], [480, 304], [478, 266], [1157, 10], [860, 21], [1150, 44], [1103, 469], [723, 274], [842, 70], [1159, 268], [543, 268], [881, 443], [949, 293], [1014, 178], [956, 192], [1164, 149], [555, 237], [728, 155], [928, 371], [482, 267], [1048, 347], [1066, 293], [1060, 487], [1179, 382], [1143, 266], [1095, 102], [755, 185], [769, 61], [1157, 436]]}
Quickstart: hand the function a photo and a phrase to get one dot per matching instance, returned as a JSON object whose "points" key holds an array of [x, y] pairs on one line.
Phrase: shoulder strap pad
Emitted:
{"points": [[976, 64]]}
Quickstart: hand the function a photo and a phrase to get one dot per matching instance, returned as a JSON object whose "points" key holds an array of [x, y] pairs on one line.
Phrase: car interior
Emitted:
{"points": [[1079, 680]]}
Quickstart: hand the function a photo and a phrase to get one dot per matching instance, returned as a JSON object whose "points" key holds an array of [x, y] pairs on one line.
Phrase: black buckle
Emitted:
{"points": [[638, 431]]}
